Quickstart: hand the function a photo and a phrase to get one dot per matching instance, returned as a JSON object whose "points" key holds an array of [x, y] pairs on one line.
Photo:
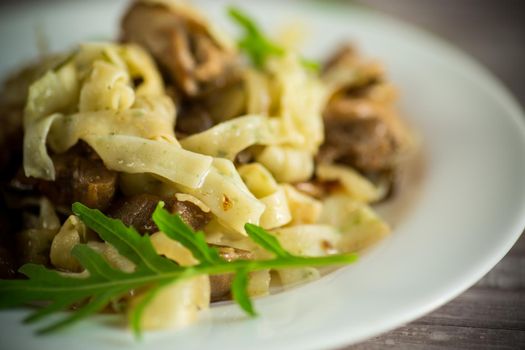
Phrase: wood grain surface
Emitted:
{"points": [[491, 314]]}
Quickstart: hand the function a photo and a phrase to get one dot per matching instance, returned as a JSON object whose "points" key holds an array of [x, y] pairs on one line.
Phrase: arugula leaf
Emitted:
{"points": [[268, 242], [176, 229], [240, 292], [244, 21], [126, 240], [138, 310], [256, 45], [310, 64], [103, 284]]}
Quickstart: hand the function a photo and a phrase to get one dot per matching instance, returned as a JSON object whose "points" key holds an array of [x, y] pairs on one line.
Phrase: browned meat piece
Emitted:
{"points": [[362, 128], [191, 214], [192, 119], [201, 71], [365, 144], [347, 70], [80, 179], [181, 43], [344, 52], [199, 114], [136, 211], [221, 284]]}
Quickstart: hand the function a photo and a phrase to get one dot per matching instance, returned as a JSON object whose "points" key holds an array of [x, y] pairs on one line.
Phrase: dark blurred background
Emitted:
{"points": [[490, 30]]}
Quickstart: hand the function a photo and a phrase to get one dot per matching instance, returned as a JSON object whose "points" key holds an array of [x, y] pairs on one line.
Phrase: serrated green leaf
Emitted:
{"points": [[176, 229], [239, 290], [244, 21], [266, 240], [138, 310], [38, 272], [104, 284], [256, 45], [96, 265], [19, 292], [126, 240], [59, 305], [95, 304]]}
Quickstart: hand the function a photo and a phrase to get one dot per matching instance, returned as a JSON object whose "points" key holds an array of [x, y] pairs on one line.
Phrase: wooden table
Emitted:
{"points": [[491, 314]]}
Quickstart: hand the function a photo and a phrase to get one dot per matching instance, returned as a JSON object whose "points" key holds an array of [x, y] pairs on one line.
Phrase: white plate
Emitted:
{"points": [[469, 212]]}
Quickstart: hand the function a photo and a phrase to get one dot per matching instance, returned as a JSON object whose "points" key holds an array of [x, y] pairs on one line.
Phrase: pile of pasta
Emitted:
{"points": [[91, 96]]}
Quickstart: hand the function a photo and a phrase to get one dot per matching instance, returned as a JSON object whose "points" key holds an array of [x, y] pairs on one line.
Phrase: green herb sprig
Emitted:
{"points": [[257, 46], [104, 284]]}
